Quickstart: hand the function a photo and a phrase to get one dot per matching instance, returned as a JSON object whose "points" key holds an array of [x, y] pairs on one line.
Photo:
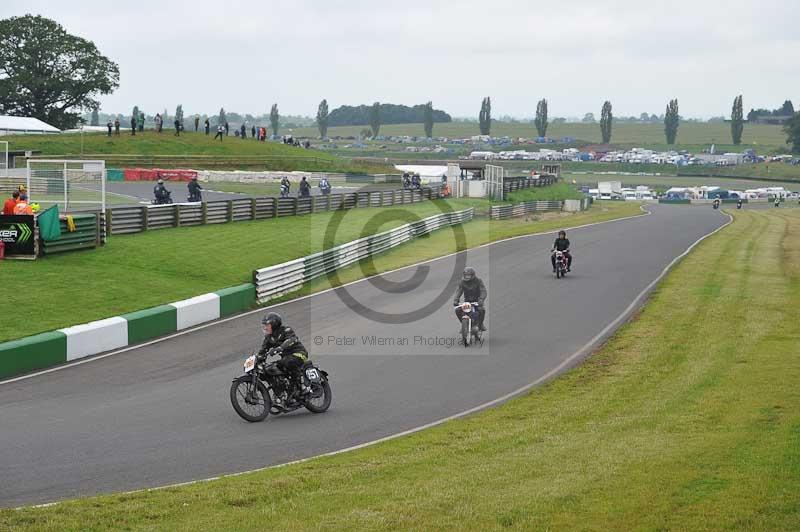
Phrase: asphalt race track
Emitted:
{"points": [[160, 414]]}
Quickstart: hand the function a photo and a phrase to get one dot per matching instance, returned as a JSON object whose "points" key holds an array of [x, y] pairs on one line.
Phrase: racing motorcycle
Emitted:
{"points": [[266, 389], [470, 332], [284, 190], [561, 264]]}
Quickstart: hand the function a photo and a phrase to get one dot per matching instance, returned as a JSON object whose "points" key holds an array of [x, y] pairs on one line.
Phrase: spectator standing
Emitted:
{"points": [[253, 132], [177, 127], [243, 131], [220, 131], [208, 126], [141, 122], [159, 121], [8, 206], [116, 126], [133, 125], [109, 126], [196, 123], [227, 128]]}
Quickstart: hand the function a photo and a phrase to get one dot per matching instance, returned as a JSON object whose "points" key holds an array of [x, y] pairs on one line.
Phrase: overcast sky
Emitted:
{"points": [[246, 56]]}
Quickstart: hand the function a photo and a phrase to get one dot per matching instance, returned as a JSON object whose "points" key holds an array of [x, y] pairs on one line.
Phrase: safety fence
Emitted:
{"points": [[510, 184], [139, 218], [280, 279], [85, 232], [502, 212]]}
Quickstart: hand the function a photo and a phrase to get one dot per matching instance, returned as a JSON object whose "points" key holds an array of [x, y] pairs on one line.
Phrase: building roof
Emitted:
{"points": [[25, 123]]}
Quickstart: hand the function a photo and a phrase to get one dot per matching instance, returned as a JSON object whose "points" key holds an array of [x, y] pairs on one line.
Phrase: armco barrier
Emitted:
{"points": [[71, 343], [133, 219], [280, 279], [502, 212]]}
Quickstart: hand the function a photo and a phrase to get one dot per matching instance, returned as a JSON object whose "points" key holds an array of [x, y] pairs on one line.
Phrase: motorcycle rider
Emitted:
{"points": [[561, 244], [416, 182], [161, 193], [285, 186], [406, 181], [285, 343], [324, 185], [473, 290], [194, 190], [739, 203], [305, 188], [716, 203]]}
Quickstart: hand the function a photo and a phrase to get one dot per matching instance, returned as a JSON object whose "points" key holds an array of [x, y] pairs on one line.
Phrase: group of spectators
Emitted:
{"points": [[18, 204]]}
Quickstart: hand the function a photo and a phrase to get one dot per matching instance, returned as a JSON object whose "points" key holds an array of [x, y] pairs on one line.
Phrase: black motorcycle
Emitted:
{"points": [[266, 389], [561, 264], [164, 199], [197, 197]]}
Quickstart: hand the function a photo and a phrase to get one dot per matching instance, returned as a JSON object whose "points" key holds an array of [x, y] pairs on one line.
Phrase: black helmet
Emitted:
{"points": [[469, 274], [562, 232], [274, 319]]}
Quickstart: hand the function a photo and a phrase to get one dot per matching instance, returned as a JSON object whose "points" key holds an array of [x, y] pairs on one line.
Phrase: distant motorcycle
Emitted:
{"points": [[284, 191], [265, 389], [195, 198], [164, 199], [739, 204], [561, 264], [716, 204], [470, 332]]}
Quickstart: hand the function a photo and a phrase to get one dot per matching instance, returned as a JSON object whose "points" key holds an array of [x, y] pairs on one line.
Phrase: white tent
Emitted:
{"points": [[15, 125]]}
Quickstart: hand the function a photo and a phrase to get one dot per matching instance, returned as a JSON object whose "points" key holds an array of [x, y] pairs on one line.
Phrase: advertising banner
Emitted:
{"points": [[17, 233]]}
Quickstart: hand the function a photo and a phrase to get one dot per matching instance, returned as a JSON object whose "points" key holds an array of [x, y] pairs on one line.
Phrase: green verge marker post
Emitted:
{"points": [[32, 353], [151, 323], [236, 299]]}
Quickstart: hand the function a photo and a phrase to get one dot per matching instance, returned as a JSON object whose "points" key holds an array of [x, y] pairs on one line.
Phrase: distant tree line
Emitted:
{"points": [[787, 109], [389, 114]]}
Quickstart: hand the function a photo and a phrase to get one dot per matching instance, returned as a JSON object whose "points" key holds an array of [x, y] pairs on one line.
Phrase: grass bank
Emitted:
{"points": [[688, 419], [173, 151], [142, 270], [558, 191]]}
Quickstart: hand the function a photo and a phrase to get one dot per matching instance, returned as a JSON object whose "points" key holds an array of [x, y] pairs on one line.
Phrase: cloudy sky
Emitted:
{"points": [[247, 55]]}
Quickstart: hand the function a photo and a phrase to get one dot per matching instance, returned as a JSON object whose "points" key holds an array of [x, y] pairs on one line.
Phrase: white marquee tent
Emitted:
{"points": [[17, 125]]}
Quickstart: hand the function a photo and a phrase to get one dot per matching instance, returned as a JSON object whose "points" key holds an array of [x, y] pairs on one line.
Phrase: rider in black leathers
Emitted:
{"points": [[160, 192], [305, 188], [562, 244], [473, 290], [283, 341], [194, 190]]}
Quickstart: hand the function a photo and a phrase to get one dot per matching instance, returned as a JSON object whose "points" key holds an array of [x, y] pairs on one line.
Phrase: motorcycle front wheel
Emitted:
{"points": [[466, 334], [321, 401], [251, 405]]}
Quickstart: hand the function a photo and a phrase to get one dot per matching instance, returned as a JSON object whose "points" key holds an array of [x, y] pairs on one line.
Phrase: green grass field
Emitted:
{"points": [[133, 272], [694, 136], [687, 419], [276, 155], [558, 191]]}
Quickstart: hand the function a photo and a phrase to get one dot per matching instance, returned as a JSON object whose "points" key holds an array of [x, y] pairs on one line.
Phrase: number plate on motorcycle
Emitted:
{"points": [[249, 364], [313, 374]]}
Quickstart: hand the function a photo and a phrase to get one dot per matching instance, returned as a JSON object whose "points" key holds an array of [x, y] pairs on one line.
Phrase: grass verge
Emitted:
{"points": [[558, 191], [689, 418], [133, 272]]}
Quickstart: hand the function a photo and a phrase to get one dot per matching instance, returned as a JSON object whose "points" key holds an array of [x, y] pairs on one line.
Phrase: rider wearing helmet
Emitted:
{"points": [[473, 290], [561, 244], [285, 343], [160, 191], [194, 189]]}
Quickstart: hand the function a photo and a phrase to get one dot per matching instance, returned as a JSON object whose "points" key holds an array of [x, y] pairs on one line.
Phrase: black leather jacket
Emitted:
{"points": [[472, 291], [286, 339], [561, 244]]}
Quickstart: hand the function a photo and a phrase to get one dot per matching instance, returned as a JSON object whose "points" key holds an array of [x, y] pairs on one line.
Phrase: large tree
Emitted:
{"points": [[179, 115], [222, 116], [485, 116], [428, 119], [49, 74], [671, 121], [737, 120], [787, 109], [274, 119], [375, 118], [322, 118], [541, 118], [606, 118], [792, 129], [95, 120]]}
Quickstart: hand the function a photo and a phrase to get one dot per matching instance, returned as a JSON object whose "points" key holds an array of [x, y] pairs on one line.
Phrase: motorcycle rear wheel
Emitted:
{"points": [[250, 412], [466, 333]]}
